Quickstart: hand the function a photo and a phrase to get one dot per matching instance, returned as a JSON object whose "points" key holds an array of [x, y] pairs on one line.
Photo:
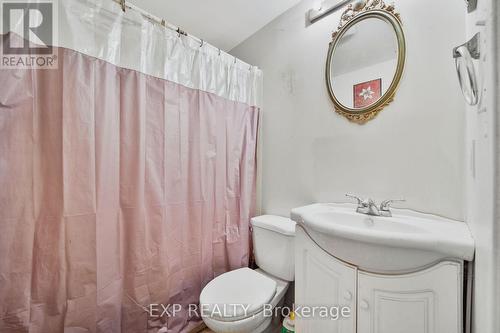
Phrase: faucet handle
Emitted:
{"points": [[384, 205], [361, 202]]}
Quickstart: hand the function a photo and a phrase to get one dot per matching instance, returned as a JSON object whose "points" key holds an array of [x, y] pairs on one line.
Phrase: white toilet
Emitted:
{"points": [[240, 301]]}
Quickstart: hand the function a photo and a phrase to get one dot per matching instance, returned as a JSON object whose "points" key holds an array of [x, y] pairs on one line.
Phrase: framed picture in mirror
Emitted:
{"points": [[367, 93]]}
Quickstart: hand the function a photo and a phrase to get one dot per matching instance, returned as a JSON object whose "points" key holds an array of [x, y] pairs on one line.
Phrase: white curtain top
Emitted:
{"points": [[100, 28]]}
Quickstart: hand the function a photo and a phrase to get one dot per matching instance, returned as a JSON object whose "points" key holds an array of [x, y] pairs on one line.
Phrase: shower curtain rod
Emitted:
{"points": [[155, 19]]}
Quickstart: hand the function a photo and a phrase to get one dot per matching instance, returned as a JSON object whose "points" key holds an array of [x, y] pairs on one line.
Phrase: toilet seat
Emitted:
{"points": [[259, 322], [237, 295]]}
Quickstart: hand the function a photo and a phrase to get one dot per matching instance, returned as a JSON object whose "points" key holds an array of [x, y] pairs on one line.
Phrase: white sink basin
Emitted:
{"points": [[408, 241]]}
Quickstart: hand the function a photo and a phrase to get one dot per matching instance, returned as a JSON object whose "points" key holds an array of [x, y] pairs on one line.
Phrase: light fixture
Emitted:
{"points": [[327, 7]]}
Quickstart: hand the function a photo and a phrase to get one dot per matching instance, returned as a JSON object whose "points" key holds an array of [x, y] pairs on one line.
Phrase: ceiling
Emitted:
{"points": [[222, 23]]}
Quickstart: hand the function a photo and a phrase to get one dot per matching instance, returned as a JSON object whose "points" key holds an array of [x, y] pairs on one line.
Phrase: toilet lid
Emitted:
{"points": [[236, 295]]}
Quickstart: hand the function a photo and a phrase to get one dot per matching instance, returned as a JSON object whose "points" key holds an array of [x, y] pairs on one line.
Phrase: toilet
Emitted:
{"points": [[242, 300]]}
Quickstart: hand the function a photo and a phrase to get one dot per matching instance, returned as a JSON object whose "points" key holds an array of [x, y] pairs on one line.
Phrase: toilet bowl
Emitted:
{"points": [[244, 300]]}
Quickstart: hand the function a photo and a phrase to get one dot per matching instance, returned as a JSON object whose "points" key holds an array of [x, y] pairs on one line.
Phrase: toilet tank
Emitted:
{"points": [[274, 245]]}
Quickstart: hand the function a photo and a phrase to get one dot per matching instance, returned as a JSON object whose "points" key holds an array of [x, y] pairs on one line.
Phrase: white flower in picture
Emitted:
{"points": [[367, 93]]}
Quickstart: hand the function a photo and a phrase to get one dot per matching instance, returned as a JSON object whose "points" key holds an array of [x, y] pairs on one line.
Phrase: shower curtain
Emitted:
{"points": [[127, 175]]}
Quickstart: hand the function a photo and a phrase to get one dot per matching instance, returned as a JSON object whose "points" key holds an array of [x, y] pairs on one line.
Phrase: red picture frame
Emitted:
{"points": [[367, 93]]}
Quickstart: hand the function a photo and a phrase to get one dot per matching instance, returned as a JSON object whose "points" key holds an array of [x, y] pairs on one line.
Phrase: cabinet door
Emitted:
{"points": [[321, 281], [429, 301]]}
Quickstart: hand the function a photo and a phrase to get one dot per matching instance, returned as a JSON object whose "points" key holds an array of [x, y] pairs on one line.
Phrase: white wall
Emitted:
{"points": [[482, 184], [414, 149]]}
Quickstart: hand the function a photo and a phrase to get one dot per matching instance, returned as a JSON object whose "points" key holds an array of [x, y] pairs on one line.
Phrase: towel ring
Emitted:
{"points": [[466, 72]]}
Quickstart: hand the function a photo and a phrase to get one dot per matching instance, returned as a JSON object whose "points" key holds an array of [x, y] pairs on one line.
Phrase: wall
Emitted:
{"points": [[482, 128], [413, 149]]}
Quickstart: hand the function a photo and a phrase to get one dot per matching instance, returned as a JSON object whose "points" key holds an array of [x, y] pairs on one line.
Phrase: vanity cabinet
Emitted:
{"points": [[322, 281], [427, 301]]}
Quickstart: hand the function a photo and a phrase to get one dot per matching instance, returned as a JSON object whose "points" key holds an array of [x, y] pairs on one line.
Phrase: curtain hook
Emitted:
{"points": [[181, 32], [235, 60], [122, 3], [163, 23], [201, 42]]}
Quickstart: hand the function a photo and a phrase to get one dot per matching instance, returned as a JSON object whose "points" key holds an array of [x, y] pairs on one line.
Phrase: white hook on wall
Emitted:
{"points": [[464, 55], [471, 5]]}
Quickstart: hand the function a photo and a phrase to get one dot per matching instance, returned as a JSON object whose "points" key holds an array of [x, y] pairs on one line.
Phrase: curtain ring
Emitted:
{"points": [[122, 4]]}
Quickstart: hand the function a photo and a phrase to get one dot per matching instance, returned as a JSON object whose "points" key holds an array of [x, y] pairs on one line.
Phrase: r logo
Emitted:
{"points": [[33, 21]]}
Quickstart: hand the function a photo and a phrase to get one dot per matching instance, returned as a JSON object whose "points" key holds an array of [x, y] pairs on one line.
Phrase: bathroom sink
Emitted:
{"points": [[407, 241]]}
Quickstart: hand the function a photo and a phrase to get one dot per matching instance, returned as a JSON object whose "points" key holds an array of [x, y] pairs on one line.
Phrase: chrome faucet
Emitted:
{"points": [[385, 207], [369, 207]]}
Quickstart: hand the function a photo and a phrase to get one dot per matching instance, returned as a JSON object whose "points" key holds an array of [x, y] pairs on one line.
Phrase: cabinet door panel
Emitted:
{"points": [[322, 281], [429, 301]]}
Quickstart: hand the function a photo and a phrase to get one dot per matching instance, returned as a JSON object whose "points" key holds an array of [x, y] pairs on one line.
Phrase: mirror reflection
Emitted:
{"points": [[364, 63]]}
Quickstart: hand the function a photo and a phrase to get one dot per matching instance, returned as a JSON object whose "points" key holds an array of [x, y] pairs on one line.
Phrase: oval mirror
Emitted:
{"points": [[365, 60]]}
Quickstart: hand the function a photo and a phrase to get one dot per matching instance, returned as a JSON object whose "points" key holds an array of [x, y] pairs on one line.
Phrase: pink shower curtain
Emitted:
{"points": [[117, 190]]}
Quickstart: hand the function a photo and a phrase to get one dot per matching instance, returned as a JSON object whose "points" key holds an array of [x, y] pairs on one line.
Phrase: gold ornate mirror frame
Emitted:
{"points": [[352, 15]]}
